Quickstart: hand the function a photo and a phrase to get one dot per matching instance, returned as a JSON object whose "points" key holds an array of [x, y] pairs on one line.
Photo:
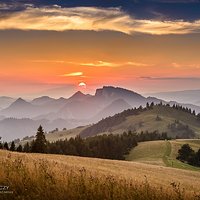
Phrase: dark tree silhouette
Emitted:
{"points": [[39, 145], [27, 148], [19, 148], [198, 158], [5, 146], [185, 152], [12, 147], [1, 145], [152, 104], [198, 117]]}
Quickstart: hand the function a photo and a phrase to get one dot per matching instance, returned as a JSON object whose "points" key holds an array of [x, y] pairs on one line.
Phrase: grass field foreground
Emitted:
{"points": [[37, 176]]}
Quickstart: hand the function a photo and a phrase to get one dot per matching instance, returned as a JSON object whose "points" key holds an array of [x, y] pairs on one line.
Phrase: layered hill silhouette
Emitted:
{"points": [[78, 110], [79, 106], [6, 101], [41, 100]]}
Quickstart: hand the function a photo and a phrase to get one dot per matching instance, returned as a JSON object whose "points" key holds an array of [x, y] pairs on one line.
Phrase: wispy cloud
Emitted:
{"points": [[111, 64], [73, 74], [138, 64], [92, 18], [185, 66], [170, 78], [98, 63]]}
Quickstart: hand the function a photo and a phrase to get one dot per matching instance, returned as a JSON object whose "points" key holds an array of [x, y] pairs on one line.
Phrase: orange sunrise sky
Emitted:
{"points": [[39, 58]]}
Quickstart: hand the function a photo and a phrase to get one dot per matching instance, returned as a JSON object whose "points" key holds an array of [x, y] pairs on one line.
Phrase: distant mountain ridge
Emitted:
{"points": [[109, 94], [19, 109], [79, 109], [41, 100], [185, 96], [88, 106], [79, 96], [27, 127], [6, 101]]}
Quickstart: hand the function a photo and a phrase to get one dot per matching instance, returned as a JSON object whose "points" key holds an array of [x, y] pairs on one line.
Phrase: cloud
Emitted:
{"points": [[170, 78], [100, 64], [110, 64], [185, 66], [56, 18], [73, 74], [138, 64]]}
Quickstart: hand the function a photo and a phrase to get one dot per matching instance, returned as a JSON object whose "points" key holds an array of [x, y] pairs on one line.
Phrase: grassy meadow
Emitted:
{"points": [[163, 153], [146, 121], [40, 176]]}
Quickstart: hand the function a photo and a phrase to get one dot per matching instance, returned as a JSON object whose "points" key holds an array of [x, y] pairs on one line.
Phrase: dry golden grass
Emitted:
{"points": [[150, 152], [62, 135], [40, 176]]}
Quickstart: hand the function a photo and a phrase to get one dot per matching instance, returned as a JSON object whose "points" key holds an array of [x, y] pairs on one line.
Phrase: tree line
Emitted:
{"points": [[181, 130], [102, 146]]}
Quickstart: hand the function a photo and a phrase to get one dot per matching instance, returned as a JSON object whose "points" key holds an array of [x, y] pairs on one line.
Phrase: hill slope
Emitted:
{"points": [[160, 118], [116, 106], [162, 153]]}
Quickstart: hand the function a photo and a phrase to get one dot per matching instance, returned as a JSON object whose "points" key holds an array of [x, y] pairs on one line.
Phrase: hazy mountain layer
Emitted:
{"points": [[79, 109], [186, 96]]}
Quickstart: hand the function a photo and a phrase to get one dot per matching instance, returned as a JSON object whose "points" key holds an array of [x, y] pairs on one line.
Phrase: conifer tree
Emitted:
{"points": [[12, 147], [19, 148], [5, 146], [39, 145], [185, 152], [152, 105], [26, 148], [1, 145], [198, 158]]}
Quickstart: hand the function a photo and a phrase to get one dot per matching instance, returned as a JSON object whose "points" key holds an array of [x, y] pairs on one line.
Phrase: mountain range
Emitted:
{"points": [[185, 96], [21, 118], [5, 101]]}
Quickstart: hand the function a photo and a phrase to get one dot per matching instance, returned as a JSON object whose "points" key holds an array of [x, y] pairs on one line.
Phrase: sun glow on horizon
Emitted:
{"points": [[82, 85]]}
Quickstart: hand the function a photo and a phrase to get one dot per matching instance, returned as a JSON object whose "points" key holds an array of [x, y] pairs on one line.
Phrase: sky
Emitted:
{"points": [[57, 47]]}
